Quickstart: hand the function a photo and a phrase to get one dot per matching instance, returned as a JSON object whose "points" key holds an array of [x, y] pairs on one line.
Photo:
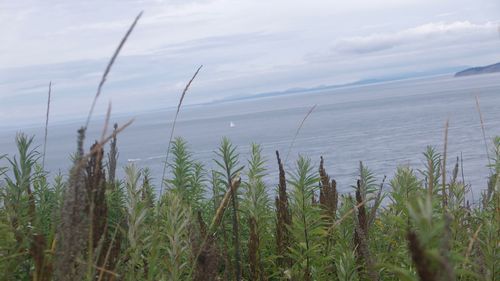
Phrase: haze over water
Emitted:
{"points": [[384, 125]]}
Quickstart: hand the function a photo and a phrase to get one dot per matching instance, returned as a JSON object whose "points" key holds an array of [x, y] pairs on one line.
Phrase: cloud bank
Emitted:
{"points": [[443, 33]]}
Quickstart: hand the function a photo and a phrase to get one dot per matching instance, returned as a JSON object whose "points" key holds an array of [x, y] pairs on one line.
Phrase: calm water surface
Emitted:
{"points": [[384, 125]]}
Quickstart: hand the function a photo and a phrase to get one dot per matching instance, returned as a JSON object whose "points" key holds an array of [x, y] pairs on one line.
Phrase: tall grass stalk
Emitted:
{"points": [[443, 170], [298, 131], [179, 105], [46, 124], [108, 67], [483, 130]]}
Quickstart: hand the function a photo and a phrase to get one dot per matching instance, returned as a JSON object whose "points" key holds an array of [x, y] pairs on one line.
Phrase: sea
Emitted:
{"points": [[384, 125]]}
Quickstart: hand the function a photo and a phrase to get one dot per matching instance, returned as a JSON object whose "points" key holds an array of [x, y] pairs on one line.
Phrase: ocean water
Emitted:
{"points": [[384, 125]]}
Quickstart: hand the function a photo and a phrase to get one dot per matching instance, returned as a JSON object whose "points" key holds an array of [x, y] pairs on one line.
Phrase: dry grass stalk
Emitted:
{"points": [[173, 127], [443, 173], [46, 125], [328, 195], [108, 68], [105, 263], [228, 270], [470, 246], [219, 214], [284, 218], [298, 131], [422, 263], [483, 131]]}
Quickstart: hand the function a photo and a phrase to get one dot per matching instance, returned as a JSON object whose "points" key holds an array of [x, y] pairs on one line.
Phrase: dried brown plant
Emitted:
{"points": [[74, 226], [96, 192], [253, 252], [112, 157], [208, 261], [284, 218], [363, 256], [328, 196]]}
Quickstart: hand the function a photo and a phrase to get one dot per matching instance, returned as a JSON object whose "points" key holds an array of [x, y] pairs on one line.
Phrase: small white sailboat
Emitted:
{"points": [[231, 124]]}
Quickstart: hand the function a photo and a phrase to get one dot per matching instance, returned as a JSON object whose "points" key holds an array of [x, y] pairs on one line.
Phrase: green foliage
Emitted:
{"points": [[229, 170], [256, 206], [187, 176], [228, 161], [410, 236], [137, 230], [177, 219], [432, 172], [307, 228], [17, 206]]}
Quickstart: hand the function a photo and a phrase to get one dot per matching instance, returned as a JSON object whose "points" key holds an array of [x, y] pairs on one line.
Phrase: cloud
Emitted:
{"points": [[459, 32], [213, 42], [246, 47]]}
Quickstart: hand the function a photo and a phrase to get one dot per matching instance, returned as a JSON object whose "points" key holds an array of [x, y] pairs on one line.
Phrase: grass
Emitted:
{"points": [[88, 227]]}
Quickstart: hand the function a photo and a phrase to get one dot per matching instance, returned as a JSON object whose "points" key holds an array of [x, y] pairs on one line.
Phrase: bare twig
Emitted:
{"points": [[108, 67], [471, 244], [173, 127]]}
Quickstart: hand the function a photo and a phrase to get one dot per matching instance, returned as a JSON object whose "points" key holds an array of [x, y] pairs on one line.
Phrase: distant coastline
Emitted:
{"points": [[446, 71], [492, 68]]}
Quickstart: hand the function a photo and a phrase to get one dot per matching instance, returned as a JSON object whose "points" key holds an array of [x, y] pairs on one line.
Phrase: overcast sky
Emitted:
{"points": [[246, 46]]}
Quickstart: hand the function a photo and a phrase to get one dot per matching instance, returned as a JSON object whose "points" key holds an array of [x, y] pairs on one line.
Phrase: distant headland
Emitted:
{"points": [[479, 70]]}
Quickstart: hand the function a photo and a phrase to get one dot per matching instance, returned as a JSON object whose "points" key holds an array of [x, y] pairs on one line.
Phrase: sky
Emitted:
{"points": [[247, 47]]}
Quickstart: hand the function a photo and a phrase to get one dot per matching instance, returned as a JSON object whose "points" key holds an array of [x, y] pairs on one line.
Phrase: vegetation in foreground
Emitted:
{"points": [[225, 224]]}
